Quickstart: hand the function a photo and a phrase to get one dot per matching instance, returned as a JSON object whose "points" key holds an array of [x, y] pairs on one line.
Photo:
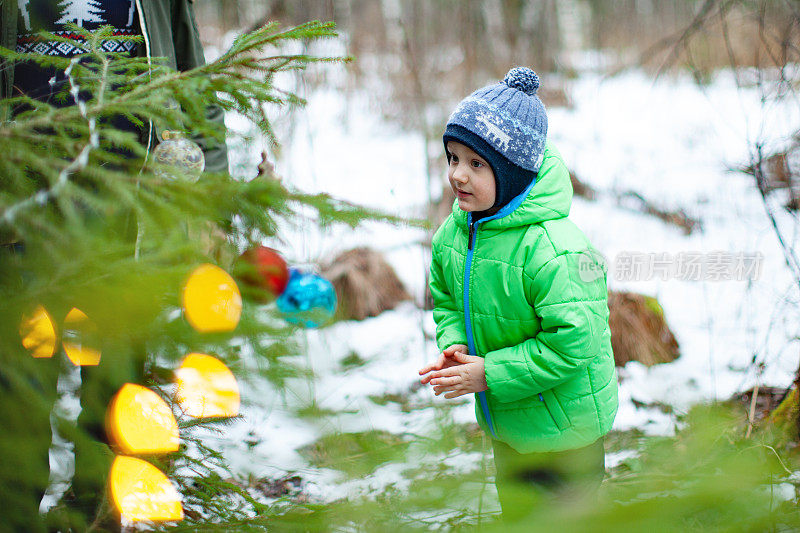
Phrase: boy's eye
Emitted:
{"points": [[453, 159], [476, 163]]}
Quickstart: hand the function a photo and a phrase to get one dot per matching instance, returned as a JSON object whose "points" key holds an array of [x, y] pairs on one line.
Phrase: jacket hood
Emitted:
{"points": [[548, 197]]}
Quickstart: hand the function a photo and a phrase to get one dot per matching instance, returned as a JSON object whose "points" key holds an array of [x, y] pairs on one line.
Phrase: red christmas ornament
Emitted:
{"points": [[270, 273]]}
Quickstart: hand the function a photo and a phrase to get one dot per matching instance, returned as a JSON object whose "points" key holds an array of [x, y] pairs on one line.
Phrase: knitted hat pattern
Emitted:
{"points": [[506, 123]]}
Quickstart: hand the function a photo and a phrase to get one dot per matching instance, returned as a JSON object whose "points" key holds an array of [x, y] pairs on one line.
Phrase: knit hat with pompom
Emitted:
{"points": [[506, 124]]}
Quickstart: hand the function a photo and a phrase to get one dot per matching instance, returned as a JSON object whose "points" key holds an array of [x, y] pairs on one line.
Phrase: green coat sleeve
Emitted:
{"points": [[572, 305], [450, 328], [188, 55], [8, 39]]}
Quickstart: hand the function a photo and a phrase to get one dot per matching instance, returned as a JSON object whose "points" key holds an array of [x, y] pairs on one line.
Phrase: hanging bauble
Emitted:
{"points": [[177, 157], [266, 270], [142, 493], [38, 333], [81, 339], [309, 299], [206, 388], [211, 300], [139, 421]]}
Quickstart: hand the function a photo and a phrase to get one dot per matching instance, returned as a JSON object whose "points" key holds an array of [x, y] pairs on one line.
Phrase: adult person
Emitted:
{"points": [[169, 33]]}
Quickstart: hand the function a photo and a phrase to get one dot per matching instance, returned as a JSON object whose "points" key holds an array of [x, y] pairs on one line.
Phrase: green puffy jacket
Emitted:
{"points": [[537, 312]]}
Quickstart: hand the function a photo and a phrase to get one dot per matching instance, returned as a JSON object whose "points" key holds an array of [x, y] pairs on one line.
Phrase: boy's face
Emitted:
{"points": [[471, 178]]}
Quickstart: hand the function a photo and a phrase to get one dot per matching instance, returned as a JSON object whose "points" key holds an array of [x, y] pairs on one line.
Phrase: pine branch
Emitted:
{"points": [[239, 81], [105, 232]]}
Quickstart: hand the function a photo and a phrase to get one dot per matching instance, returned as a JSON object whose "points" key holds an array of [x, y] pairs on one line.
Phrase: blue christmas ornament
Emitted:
{"points": [[309, 299]]}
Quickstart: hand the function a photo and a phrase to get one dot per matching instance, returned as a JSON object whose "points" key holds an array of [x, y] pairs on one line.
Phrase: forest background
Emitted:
{"points": [[680, 122]]}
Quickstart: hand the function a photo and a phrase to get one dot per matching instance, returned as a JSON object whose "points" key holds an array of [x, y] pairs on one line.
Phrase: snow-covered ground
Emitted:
{"points": [[670, 140]]}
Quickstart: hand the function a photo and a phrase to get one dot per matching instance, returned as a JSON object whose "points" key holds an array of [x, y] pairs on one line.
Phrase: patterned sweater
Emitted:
{"points": [[35, 16]]}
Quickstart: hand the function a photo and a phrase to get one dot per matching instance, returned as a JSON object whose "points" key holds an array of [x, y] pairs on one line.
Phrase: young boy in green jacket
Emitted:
{"points": [[520, 300]]}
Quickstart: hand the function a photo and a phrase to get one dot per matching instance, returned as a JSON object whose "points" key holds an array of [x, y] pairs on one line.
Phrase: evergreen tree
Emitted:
{"points": [[79, 12], [104, 232], [98, 228]]}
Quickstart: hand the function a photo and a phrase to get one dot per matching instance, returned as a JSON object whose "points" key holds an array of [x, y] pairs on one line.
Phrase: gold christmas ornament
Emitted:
{"points": [[141, 492], [211, 300], [139, 421], [38, 333], [206, 388], [81, 339], [177, 157]]}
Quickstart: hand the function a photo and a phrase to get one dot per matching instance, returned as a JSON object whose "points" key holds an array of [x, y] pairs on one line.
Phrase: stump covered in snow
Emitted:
{"points": [[639, 331], [366, 285], [781, 170], [579, 188], [767, 400]]}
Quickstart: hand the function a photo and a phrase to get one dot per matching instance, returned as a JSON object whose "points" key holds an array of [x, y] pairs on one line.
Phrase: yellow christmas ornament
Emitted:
{"points": [[138, 421], [79, 335], [141, 491], [206, 388], [211, 300], [38, 333]]}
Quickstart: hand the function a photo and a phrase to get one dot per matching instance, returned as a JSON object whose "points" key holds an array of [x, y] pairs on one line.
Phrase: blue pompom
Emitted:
{"points": [[524, 79]]}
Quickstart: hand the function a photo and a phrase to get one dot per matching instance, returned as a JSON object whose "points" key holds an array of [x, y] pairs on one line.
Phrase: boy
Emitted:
{"points": [[520, 303]]}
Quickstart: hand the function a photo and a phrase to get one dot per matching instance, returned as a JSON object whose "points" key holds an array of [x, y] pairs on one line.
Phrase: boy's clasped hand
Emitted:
{"points": [[455, 373]]}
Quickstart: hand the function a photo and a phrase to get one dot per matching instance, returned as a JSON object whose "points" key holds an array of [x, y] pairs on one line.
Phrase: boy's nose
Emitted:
{"points": [[459, 175]]}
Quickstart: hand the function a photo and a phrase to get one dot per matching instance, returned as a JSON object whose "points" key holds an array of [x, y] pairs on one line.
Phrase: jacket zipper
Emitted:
{"points": [[472, 237], [8, 16], [143, 27], [148, 53]]}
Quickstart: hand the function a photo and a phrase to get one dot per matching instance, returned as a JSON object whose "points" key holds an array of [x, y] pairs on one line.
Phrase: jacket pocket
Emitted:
{"points": [[556, 411]]}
